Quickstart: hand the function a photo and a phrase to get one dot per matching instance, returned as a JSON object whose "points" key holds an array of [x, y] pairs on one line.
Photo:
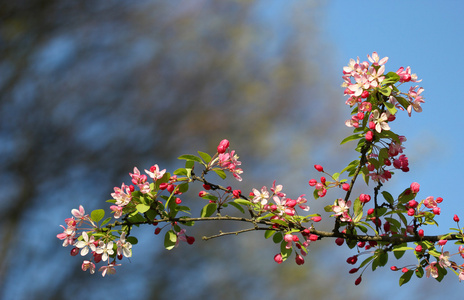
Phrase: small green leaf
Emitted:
{"points": [[106, 221], [352, 138], [190, 157], [277, 238], [404, 248], [385, 91], [221, 173], [206, 157], [151, 214], [97, 215], [183, 187], [391, 108], [180, 172], [280, 222], [406, 277], [242, 202], [208, 210], [132, 239], [419, 272], [170, 240], [388, 197], [269, 233], [237, 207], [142, 208]]}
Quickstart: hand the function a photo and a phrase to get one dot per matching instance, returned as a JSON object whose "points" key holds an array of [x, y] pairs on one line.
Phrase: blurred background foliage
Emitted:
{"points": [[90, 89]]}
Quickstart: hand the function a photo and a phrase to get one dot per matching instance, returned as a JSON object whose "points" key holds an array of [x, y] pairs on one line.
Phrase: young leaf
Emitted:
{"points": [[97, 215], [237, 207], [208, 210], [142, 208], [406, 277], [190, 157], [206, 157], [170, 240], [269, 233], [352, 138], [220, 172]]}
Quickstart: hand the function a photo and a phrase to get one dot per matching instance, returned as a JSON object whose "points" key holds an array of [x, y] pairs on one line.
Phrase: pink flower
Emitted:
{"points": [[105, 250], [444, 260], [278, 258], [117, 211], [431, 270], [260, 196], [375, 59], [137, 178], [79, 214], [155, 172], [108, 269], [67, 236], [122, 195], [277, 189], [87, 265], [342, 210]]}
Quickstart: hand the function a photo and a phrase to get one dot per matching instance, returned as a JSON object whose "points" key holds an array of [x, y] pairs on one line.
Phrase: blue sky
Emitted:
{"points": [[428, 37]]}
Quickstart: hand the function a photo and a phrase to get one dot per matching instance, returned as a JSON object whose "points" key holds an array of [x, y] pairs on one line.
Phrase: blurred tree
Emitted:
{"points": [[91, 88]]}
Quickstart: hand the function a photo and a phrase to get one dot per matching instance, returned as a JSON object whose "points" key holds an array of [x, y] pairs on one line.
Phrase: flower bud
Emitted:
{"points": [[312, 182], [370, 211], [358, 281], [190, 240], [206, 187], [278, 258], [313, 237], [319, 168], [415, 187], [404, 270], [365, 94], [442, 242], [316, 218], [394, 268], [436, 210], [178, 201], [157, 230], [421, 232], [418, 248], [369, 136], [345, 186], [223, 145], [456, 218], [354, 270], [299, 260], [74, 251], [339, 241], [439, 200], [412, 203]]}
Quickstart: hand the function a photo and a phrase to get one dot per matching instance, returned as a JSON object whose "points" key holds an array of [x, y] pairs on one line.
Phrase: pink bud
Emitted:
{"points": [[439, 200], [317, 218], [415, 187], [202, 193], [299, 260], [394, 268], [323, 180], [370, 167], [313, 237], [360, 115], [178, 201], [421, 232], [369, 136], [296, 238], [404, 270], [74, 251], [442, 242], [411, 212], [365, 94], [436, 210], [456, 218], [278, 258], [312, 182], [236, 193], [319, 168], [223, 145], [290, 203], [370, 211], [339, 241], [345, 186], [364, 198], [413, 203], [206, 187], [371, 125], [418, 248], [361, 244], [157, 230], [288, 238], [163, 186]]}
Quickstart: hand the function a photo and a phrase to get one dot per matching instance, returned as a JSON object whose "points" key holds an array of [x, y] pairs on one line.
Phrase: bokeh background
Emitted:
{"points": [[90, 89]]}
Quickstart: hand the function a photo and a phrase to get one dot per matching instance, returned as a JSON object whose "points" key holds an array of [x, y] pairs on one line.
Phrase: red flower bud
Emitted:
{"points": [[354, 270], [370, 211], [345, 186], [206, 187], [404, 270], [278, 258], [312, 182], [418, 248], [456, 218], [319, 168], [421, 232], [317, 218], [313, 237], [339, 241], [190, 240], [358, 281], [369, 136], [393, 268], [223, 145], [415, 187]]}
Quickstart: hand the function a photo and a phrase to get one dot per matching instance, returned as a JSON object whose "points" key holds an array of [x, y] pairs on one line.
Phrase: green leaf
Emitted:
{"points": [[367, 260], [336, 176], [419, 272], [183, 187], [97, 215], [269, 233], [352, 137], [406, 277], [399, 254], [237, 207], [210, 197], [132, 239], [106, 221], [151, 214], [221, 173], [277, 238], [206, 157], [142, 208], [284, 251], [391, 78], [328, 208], [280, 222], [391, 108], [137, 218], [385, 91], [208, 210], [242, 202], [190, 157], [403, 248], [170, 239], [388, 197], [403, 102], [180, 172]]}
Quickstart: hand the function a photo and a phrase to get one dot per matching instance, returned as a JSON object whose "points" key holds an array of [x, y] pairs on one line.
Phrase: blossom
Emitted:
{"points": [[86, 243], [122, 195], [444, 260], [223, 145], [123, 246], [342, 210], [67, 236], [87, 265], [108, 269], [117, 211], [79, 214], [375, 59], [105, 250], [277, 189], [155, 172], [260, 196], [431, 270], [380, 121]]}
